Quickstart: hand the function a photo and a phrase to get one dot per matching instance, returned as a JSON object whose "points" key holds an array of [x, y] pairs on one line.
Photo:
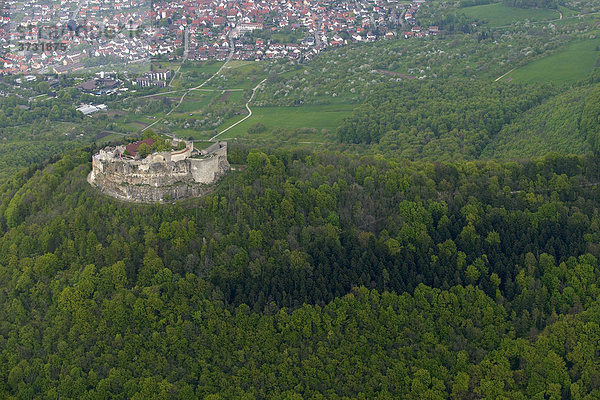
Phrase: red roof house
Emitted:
{"points": [[132, 148]]}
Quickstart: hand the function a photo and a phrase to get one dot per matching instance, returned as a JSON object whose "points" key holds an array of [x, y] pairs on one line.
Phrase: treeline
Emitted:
{"points": [[436, 120], [161, 344], [293, 229], [244, 292], [589, 124]]}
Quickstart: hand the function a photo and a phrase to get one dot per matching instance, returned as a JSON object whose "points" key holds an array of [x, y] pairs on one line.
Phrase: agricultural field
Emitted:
{"points": [[131, 122], [498, 14], [194, 102], [569, 64], [164, 64]]}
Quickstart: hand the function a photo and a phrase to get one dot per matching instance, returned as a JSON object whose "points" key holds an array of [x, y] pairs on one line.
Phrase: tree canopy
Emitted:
{"points": [[305, 275]]}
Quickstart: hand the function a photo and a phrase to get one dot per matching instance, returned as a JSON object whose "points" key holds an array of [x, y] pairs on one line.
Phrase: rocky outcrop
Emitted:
{"points": [[160, 177]]}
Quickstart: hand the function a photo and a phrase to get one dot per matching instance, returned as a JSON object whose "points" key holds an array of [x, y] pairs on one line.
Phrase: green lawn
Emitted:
{"points": [[497, 14], [570, 64]]}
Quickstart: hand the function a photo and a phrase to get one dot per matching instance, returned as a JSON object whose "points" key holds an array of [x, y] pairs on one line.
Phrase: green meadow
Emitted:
{"points": [[498, 14], [295, 124], [205, 67], [239, 75], [308, 122], [570, 64]]}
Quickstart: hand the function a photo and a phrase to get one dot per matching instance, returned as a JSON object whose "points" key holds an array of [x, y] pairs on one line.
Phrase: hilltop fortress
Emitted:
{"points": [[123, 173]]}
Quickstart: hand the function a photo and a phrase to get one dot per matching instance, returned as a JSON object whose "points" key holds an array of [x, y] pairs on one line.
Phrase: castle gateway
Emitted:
{"points": [[159, 177]]}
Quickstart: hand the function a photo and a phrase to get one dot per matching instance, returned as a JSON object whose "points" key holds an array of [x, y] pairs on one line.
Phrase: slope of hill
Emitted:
{"points": [[551, 126], [481, 276]]}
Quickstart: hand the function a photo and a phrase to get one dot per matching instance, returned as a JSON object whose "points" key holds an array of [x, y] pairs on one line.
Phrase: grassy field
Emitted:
{"points": [[239, 75], [497, 14], [131, 123], [204, 67], [196, 101], [567, 12], [172, 65], [193, 73], [315, 122], [570, 64]]}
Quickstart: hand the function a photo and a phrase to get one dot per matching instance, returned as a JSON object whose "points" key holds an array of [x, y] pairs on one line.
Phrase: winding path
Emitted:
{"points": [[246, 117], [229, 57]]}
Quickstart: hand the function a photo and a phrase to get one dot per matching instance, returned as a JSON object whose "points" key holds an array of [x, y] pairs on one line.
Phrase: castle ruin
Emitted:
{"points": [[159, 177]]}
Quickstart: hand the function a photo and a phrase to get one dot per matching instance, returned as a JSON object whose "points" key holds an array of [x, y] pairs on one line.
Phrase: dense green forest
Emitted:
{"points": [[306, 275], [471, 119], [439, 118], [414, 264], [554, 125]]}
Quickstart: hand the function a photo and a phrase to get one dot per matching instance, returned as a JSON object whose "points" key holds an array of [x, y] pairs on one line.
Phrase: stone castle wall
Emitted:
{"points": [[160, 177]]}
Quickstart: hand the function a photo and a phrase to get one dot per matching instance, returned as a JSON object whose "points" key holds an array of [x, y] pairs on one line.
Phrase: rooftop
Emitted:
{"points": [[132, 148]]}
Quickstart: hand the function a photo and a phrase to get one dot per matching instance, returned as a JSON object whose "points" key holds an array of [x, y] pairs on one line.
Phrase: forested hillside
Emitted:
{"points": [[306, 275], [554, 125], [439, 119], [415, 264]]}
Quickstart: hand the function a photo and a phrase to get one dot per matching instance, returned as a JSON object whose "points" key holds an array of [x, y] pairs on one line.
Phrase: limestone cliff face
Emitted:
{"points": [[160, 177]]}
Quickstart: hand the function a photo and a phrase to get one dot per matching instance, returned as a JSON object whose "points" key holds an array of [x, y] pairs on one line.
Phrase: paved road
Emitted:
{"points": [[318, 34]]}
